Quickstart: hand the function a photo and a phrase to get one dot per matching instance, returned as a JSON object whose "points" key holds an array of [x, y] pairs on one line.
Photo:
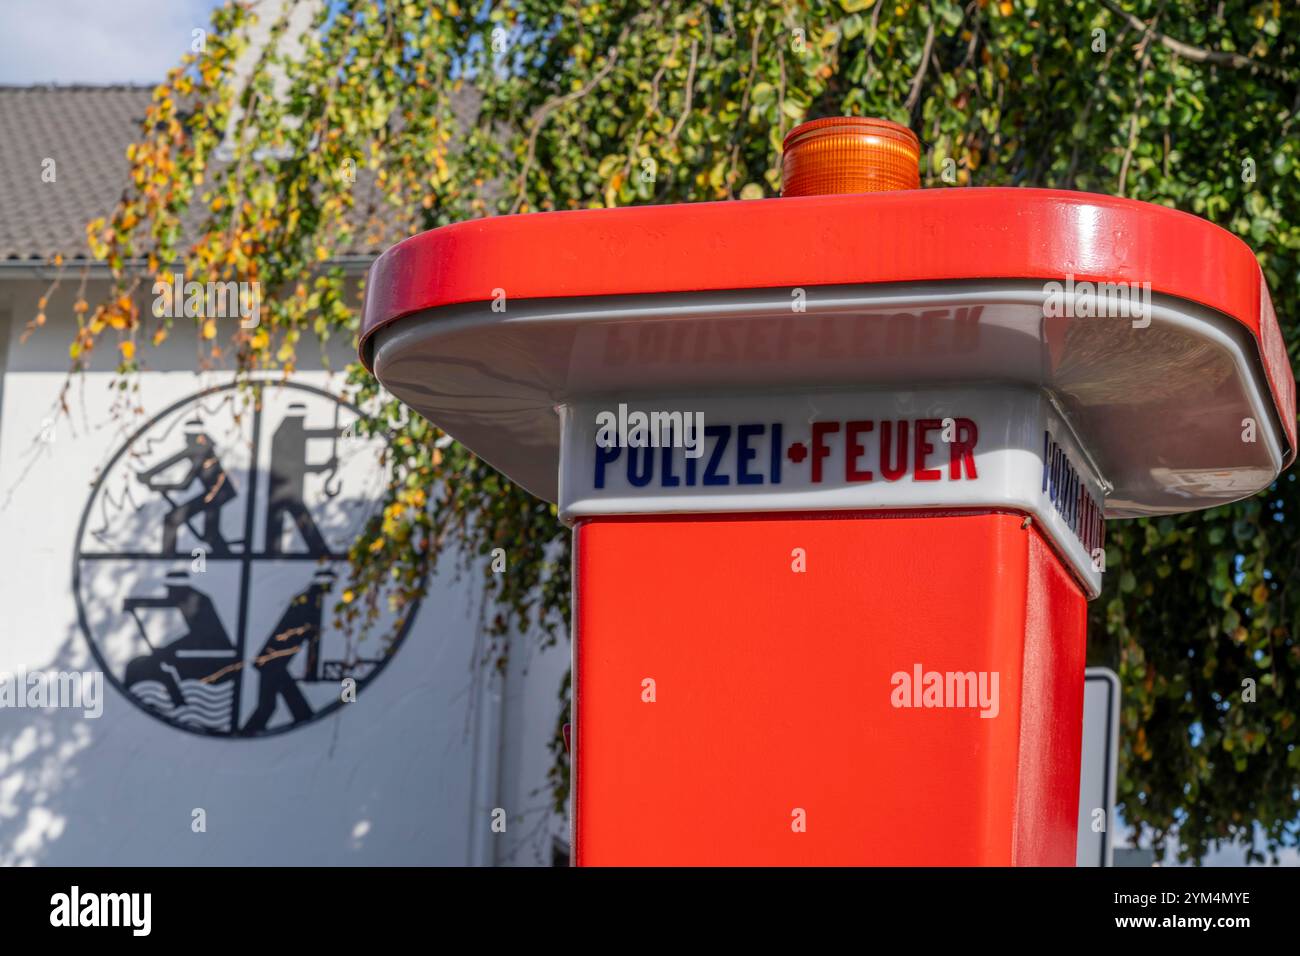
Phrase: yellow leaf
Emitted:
{"points": [[128, 349], [210, 329]]}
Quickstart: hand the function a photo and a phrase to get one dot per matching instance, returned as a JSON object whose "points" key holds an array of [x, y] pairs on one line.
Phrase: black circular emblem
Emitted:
{"points": [[212, 551]]}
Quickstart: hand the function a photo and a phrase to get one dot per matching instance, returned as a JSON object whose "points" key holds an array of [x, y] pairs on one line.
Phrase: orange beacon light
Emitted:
{"points": [[849, 154]]}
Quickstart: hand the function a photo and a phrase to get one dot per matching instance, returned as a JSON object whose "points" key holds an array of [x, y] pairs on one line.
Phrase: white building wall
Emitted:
{"points": [[408, 774]]}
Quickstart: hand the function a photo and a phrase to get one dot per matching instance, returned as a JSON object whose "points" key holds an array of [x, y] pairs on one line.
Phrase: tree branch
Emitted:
{"points": [[1187, 51], [689, 94], [546, 109], [915, 95], [1149, 33]]}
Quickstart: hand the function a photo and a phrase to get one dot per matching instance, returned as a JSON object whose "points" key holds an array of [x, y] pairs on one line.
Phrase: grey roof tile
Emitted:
{"points": [[86, 130]]}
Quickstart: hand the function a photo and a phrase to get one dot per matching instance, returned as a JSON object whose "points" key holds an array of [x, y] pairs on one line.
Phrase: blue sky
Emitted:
{"points": [[96, 41]]}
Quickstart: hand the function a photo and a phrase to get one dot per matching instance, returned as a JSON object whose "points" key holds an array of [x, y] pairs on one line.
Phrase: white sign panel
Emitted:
{"points": [[1100, 760], [971, 448]]}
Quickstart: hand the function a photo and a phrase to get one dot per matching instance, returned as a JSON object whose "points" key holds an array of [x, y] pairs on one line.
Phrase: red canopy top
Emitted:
{"points": [[906, 236]]}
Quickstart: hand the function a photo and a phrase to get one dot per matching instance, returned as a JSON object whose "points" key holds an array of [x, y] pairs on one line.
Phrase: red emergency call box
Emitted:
{"points": [[838, 467]]}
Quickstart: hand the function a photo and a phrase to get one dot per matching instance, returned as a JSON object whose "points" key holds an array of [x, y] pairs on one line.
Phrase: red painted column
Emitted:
{"points": [[778, 692]]}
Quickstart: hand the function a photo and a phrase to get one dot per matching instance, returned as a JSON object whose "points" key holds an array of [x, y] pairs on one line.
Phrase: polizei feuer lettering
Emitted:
{"points": [[923, 449]]}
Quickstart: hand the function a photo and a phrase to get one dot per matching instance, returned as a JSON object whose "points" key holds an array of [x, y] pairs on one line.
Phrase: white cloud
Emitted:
{"points": [[96, 41]]}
